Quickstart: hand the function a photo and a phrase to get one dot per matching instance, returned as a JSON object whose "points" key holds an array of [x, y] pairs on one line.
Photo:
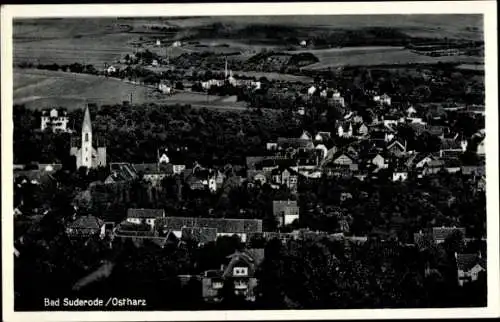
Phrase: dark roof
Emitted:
{"points": [[467, 261], [440, 233], [252, 258], [251, 161], [144, 213], [450, 144], [223, 225], [436, 130], [199, 234], [478, 170], [295, 143], [145, 167], [417, 128], [87, 222]]}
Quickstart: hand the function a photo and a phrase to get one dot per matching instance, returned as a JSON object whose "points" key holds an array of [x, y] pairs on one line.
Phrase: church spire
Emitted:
{"points": [[87, 124]]}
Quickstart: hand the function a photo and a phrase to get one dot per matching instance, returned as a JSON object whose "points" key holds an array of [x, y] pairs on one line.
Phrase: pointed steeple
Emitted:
{"points": [[87, 123]]}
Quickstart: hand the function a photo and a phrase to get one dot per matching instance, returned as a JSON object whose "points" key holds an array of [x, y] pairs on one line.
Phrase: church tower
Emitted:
{"points": [[87, 140], [83, 150]]}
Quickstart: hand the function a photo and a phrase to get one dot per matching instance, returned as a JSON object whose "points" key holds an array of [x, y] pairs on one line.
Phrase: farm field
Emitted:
{"points": [[99, 41], [476, 67], [451, 26], [41, 88], [38, 89], [372, 56]]}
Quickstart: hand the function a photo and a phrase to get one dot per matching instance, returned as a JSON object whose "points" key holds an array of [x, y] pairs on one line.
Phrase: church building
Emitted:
{"points": [[83, 148]]}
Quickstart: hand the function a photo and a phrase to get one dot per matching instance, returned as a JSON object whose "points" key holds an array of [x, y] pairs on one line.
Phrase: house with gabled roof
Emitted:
{"points": [[85, 226], [224, 226], [469, 266], [239, 273], [396, 148], [383, 99]]}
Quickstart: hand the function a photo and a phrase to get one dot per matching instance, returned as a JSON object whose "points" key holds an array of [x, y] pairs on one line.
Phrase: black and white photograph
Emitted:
{"points": [[213, 162]]}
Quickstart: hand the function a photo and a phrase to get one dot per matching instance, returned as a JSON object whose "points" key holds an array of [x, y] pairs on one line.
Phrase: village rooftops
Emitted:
{"points": [[145, 213], [223, 225]]}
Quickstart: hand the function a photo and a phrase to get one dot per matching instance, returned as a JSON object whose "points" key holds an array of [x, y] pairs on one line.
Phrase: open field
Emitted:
{"points": [[42, 88], [38, 89], [366, 56], [105, 40], [475, 67], [451, 26]]}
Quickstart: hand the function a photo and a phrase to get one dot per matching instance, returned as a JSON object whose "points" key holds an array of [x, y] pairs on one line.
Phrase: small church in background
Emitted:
{"points": [[87, 153]]}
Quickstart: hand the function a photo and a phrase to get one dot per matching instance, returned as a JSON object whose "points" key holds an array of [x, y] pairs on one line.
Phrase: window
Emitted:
{"points": [[86, 137], [240, 271]]}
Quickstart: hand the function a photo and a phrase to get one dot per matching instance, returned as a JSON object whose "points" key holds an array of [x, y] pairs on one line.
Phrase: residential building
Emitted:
{"points": [[54, 119], [147, 216], [383, 99], [85, 153], [86, 226], [285, 211], [397, 148], [399, 175], [121, 172], [224, 226], [439, 234], [452, 147], [469, 266], [239, 273]]}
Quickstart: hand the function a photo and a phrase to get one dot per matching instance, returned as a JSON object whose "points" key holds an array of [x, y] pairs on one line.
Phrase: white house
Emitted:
{"points": [[383, 99], [55, 119], [165, 89], [177, 44], [301, 111], [111, 69], [147, 216], [213, 82], [303, 43], [311, 90], [271, 146], [399, 176]]}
